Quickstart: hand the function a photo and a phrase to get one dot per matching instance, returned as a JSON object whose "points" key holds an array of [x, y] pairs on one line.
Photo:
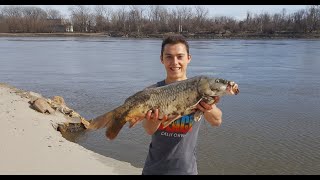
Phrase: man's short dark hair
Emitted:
{"points": [[174, 39]]}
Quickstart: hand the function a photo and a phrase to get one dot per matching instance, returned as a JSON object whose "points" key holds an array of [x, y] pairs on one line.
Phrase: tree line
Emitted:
{"points": [[142, 21]]}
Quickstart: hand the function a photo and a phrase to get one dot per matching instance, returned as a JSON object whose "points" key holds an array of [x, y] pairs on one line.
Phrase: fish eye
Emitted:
{"points": [[217, 81]]}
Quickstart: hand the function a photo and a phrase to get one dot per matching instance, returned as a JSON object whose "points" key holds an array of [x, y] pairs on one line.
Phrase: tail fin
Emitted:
{"points": [[101, 121], [112, 120], [114, 128]]}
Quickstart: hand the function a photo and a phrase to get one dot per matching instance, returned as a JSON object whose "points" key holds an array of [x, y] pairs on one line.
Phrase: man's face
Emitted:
{"points": [[175, 59]]}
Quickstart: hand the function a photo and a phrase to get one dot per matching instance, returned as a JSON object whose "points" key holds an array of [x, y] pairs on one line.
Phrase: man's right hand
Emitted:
{"points": [[154, 116], [152, 121]]}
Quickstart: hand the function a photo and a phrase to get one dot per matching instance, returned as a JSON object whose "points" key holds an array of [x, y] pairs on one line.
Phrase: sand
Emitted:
{"points": [[30, 143]]}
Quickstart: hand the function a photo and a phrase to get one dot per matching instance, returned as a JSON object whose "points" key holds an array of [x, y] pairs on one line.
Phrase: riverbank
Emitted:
{"points": [[53, 35], [224, 35], [30, 143]]}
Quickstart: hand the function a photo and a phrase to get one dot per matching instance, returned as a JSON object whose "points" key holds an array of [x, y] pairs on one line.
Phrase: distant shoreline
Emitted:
{"points": [[159, 36]]}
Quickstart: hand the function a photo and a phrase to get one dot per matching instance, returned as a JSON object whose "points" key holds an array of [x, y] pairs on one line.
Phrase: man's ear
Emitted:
{"points": [[189, 57], [161, 59]]}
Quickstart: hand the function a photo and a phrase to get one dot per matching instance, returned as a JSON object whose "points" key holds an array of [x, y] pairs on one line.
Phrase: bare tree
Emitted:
{"points": [[300, 24], [102, 18], [158, 16], [313, 18], [13, 16], [34, 19], [119, 20], [201, 15], [276, 22], [185, 17], [53, 14], [266, 24], [3, 25], [81, 18], [136, 16], [181, 19], [248, 22]]}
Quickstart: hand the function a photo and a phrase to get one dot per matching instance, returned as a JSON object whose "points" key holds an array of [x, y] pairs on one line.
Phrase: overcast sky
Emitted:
{"points": [[236, 11]]}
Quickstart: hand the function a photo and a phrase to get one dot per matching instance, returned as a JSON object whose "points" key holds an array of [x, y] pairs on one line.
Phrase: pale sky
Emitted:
{"points": [[236, 11]]}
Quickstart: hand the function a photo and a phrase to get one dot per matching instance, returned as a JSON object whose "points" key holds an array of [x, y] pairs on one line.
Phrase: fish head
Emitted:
{"points": [[223, 86]]}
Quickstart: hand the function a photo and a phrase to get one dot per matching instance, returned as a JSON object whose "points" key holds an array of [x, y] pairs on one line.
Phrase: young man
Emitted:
{"points": [[172, 150]]}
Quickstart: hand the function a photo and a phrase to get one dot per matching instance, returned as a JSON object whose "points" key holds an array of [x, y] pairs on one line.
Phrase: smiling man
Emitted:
{"points": [[173, 148], [175, 57]]}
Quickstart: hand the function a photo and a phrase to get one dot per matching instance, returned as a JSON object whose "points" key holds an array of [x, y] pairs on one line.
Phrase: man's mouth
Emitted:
{"points": [[175, 68]]}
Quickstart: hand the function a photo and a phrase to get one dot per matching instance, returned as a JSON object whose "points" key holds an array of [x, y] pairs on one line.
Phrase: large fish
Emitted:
{"points": [[174, 100]]}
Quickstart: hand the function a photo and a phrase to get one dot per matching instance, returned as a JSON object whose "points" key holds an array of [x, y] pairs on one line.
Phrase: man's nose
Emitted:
{"points": [[175, 60]]}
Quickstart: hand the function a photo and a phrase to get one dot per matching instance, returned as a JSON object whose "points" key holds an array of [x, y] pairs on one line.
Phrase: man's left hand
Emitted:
{"points": [[205, 107]]}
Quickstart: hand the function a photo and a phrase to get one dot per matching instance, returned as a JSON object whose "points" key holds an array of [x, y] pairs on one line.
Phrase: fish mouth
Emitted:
{"points": [[232, 88]]}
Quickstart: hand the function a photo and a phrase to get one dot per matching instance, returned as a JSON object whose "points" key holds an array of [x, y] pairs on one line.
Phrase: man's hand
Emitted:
{"points": [[154, 117], [152, 121], [211, 112], [205, 107]]}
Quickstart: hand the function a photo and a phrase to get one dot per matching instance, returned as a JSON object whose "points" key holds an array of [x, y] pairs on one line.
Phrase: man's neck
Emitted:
{"points": [[168, 80]]}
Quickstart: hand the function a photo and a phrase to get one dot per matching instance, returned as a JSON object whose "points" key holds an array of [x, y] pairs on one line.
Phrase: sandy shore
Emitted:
{"points": [[29, 143]]}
